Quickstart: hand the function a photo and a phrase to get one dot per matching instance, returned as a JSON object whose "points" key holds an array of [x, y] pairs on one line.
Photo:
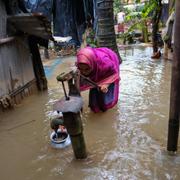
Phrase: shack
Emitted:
{"points": [[21, 70]]}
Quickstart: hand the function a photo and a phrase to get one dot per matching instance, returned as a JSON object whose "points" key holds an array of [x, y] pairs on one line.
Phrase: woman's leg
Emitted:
{"points": [[96, 100]]}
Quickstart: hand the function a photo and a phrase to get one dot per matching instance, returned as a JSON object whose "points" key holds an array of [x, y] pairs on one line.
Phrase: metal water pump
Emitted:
{"points": [[70, 106]]}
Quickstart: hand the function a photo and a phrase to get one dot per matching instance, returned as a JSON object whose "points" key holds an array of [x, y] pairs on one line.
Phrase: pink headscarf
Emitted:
{"points": [[103, 62]]}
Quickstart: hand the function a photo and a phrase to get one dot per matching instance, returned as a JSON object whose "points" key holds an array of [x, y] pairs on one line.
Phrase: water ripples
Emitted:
{"points": [[126, 142], [144, 98]]}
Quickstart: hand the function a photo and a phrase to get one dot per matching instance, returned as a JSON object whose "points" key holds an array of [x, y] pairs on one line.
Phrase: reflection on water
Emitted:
{"points": [[127, 142]]}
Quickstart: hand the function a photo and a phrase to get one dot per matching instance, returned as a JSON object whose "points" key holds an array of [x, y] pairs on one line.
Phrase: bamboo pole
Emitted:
{"points": [[173, 130]]}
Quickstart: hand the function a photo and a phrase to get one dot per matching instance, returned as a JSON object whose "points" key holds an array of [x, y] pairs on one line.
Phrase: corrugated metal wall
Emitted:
{"points": [[16, 69]]}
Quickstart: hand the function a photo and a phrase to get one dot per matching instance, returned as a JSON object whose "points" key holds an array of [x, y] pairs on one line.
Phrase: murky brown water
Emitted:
{"points": [[127, 142]]}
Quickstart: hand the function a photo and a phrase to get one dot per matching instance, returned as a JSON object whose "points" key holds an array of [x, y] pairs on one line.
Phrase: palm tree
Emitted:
{"points": [[105, 22]]}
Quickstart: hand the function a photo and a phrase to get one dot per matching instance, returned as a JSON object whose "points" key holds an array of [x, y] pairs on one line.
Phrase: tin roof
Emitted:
{"points": [[34, 24]]}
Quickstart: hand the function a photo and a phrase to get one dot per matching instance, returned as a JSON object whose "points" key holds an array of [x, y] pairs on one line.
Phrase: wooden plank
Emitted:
{"points": [[6, 40]]}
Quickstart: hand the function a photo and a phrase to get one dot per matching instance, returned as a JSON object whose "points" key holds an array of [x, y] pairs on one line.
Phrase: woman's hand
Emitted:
{"points": [[104, 88]]}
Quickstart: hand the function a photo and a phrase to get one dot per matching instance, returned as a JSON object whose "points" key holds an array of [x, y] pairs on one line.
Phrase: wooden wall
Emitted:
{"points": [[3, 17], [16, 69]]}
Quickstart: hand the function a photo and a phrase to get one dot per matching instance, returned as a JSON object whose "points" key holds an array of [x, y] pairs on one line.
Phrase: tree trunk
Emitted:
{"points": [[145, 32], [155, 25], [105, 33], [175, 87]]}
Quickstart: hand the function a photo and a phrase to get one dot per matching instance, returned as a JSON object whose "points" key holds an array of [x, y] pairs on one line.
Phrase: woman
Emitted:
{"points": [[101, 66]]}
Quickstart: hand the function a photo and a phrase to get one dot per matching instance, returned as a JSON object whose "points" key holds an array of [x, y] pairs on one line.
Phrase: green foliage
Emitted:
{"points": [[148, 8], [139, 16], [142, 16], [142, 11], [133, 16], [172, 6], [90, 39], [117, 6]]}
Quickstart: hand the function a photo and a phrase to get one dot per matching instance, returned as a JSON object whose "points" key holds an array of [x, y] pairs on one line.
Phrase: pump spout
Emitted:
{"points": [[55, 123]]}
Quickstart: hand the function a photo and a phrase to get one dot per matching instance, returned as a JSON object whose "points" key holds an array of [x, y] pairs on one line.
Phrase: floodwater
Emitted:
{"points": [[126, 142]]}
